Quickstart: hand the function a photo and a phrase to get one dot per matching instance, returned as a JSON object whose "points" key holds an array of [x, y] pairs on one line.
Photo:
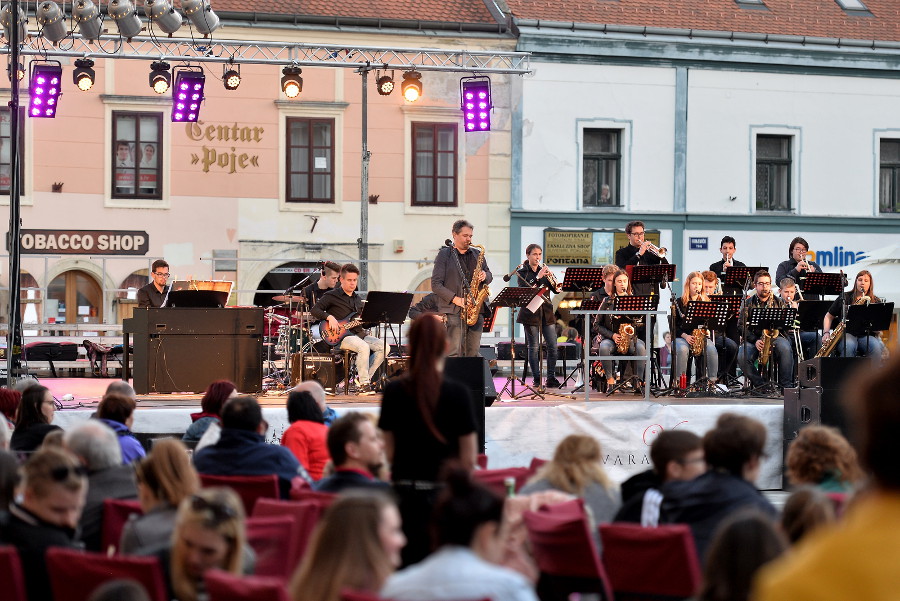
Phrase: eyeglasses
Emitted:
{"points": [[61, 473], [219, 511], [636, 233], [161, 275]]}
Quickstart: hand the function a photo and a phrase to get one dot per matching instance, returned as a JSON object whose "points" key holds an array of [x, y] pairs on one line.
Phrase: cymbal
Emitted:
{"points": [[294, 300]]}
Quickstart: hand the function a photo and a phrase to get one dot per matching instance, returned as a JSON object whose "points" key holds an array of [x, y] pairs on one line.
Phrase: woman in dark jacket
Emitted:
{"points": [[36, 411]]}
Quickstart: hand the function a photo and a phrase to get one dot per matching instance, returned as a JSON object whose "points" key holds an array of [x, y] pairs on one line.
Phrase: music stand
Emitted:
{"points": [[711, 315], [771, 318], [874, 317], [811, 315], [514, 298], [385, 308], [822, 283], [645, 274], [733, 306], [633, 303], [582, 279], [741, 277]]}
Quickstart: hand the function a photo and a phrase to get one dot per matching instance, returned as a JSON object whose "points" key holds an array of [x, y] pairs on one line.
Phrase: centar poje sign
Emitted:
{"points": [[80, 242]]}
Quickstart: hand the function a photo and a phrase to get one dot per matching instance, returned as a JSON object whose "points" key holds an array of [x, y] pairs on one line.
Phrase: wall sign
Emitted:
{"points": [[85, 242]]}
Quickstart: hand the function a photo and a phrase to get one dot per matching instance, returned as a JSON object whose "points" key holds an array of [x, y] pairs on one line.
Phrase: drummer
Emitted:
{"points": [[327, 281]]}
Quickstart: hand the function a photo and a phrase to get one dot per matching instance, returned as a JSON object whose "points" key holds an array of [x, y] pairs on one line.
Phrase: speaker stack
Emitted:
{"points": [[326, 369]]}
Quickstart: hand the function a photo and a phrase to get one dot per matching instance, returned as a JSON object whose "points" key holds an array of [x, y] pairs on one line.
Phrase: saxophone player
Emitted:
{"points": [[858, 342], [541, 323], [614, 340], [753, 343], [455, 267], [688, 340]]}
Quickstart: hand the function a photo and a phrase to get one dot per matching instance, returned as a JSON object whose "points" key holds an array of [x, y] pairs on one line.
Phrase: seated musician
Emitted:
{"points": [[343, 303], [855, 341], [686, 338], [753, 343], [792, 296], [727, 341], [429, 304], [612, 338], [608, 273], [327, 280]]}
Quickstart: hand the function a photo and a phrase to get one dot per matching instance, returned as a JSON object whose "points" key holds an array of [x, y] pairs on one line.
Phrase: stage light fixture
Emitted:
{"points": [[87, 15], [83, 75], [6, 21], [160, 80], [188, 95], [201, 15], [123, 13], [291, 82], [411, 87], [44, 90], [52, 21], [231, 76], [475, 102], [163, 16], [385, 84]]}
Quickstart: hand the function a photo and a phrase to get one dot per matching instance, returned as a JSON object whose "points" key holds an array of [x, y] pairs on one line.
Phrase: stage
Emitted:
{"points": [[515, 431]]}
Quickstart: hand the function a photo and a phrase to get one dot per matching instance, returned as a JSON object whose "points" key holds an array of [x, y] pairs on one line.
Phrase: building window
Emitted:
{"points": [[137, 171], [773, 173], [434, 164], [5, 151], [310, 160], [889, 177], [602, 167]]}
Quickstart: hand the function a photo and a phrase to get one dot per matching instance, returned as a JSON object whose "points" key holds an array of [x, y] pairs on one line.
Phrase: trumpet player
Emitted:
{"points": [[687, 339], [798, 265], [753, 342], [540, 323], [610, 327], [856, 340], [639, 252], [727, 248]]}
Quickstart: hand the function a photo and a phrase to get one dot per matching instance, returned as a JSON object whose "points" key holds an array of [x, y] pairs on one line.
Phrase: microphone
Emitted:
{"points": [[448, 242], [509, 275]]}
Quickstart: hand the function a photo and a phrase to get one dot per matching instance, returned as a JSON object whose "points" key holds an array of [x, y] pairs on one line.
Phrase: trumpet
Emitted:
{"points": [[550, 277], [659, 252]]}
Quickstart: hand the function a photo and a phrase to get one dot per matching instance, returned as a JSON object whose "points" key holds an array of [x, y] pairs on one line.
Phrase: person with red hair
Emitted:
{"points": [[9, 404], [211, 407]]}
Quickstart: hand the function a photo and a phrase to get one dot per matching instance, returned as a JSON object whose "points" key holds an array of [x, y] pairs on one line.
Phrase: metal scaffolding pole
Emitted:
{"points": [[13, 240]]}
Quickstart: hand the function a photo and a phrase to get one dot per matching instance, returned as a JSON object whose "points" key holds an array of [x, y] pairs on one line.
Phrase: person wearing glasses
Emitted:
{"points": [[638, 252], [153, 294], [33, 419]]}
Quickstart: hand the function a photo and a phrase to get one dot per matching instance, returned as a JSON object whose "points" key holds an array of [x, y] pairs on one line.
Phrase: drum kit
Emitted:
{"points": [[291, 335]]}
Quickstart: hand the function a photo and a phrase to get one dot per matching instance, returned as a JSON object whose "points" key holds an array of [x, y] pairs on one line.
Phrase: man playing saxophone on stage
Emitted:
{"points": [[856, 341], [754, 341], [540, 322], [455, 268]]}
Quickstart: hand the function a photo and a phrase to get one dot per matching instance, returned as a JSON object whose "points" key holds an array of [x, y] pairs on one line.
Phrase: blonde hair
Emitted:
{"points": [[216, 509], [575, 465], [686, 295], [345, 550], [167, 472]]}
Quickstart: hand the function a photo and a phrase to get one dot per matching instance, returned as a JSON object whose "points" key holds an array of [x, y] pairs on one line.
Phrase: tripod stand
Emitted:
{"points": [[583, 280], [514, 298], [771, 319]]}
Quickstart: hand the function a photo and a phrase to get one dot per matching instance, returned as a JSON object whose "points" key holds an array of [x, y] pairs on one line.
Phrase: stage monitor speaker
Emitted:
{"points": [[475, 374], [328, 370], [396, 366], [828, 372], [812, 406]]}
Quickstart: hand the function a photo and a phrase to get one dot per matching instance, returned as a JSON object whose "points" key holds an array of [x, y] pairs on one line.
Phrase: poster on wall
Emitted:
{"points": [[586, 247]]}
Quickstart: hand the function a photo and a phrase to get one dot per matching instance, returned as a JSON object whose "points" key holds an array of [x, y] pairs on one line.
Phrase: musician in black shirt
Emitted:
{"points": [[327, 281], [638, 253], [541, 321], [154, 294], [727, 248]]}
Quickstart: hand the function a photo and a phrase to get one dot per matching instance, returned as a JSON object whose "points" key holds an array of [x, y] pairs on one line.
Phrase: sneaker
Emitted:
{"points": [[536, 383], [553, 383], [365, 390]]}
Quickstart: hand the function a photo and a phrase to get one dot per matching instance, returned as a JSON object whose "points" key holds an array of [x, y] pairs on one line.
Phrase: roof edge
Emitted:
{"points": [[498, 27]]}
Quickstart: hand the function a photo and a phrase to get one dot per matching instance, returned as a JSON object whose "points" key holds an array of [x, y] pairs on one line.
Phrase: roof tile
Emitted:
{"points": [[453, 11]]}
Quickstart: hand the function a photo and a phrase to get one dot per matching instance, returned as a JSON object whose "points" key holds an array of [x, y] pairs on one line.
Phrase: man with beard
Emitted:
{"points": [[358, 454]]}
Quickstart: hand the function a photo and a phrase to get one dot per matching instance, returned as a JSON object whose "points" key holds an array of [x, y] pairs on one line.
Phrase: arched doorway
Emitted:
{"points": [[283, 277], [78, 296]]}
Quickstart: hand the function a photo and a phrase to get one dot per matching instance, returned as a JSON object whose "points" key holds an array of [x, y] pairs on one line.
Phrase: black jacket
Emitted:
{"points": [[527, 277], [628, 255], [149, 296], [446, 279]]}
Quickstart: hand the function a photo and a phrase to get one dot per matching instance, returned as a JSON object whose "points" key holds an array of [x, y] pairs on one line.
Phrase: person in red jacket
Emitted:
{"points": [[306, 437]]}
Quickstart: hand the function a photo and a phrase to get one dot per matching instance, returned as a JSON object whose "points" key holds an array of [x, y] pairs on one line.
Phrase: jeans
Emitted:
{"points": [[464, 340], [532, 341], [727, 350], [865, 346], [369, 355], [681, 357], [783, 352], [608, 347]]}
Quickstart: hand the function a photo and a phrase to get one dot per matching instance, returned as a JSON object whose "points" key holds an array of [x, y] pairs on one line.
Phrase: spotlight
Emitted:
{"points": [[291, 82], [231, 78], [52, 21], [411, 86], [87, 15], [162, 14], [44, 90], [123, 13], [385, 85], [160, 80], [188, 95], [201, 15], [84, 75], [475, 102], [6, 21]]}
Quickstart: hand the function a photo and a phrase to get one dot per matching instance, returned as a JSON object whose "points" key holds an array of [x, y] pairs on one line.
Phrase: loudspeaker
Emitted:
{"points": [[475, 374], [818, 406], [504, 355], [828, 372], [327, 370], [396, 366]]}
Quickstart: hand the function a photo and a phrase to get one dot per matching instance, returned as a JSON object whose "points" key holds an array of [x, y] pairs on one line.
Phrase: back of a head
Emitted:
{"points": [[116, 407], [48, 467], [30, 407], [819, 453], [735, 440], [874, 408], [575, 465], [302, 406], [167, 471], [743, 543], [121, 387], [96, 444], [242, 413], [805, 510], [314, 388], [217, 394], [672, 445], [461, 508], [344, 429], [9, 402], [120, 590]]}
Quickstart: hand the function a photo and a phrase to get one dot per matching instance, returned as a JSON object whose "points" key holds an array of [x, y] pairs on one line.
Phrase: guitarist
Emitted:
{"points": [[342, 304]]}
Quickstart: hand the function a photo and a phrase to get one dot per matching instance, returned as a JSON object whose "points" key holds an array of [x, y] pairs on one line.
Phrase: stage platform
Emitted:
{"points": [[515, 430]]}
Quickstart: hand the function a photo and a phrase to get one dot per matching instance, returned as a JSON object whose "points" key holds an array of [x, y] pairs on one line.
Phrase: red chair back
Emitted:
{"points": [[495, 479], [536, 464], [223, 586], [481, 461], [307, 494], [11, 574], [248, 488], [272, 538], [74, 574], [115, 515], [348, 595], [658, 561], [306, 514]]}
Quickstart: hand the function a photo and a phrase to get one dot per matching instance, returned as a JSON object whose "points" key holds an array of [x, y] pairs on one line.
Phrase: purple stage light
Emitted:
{"points": [[188, 95], [476, 103], [44, 90]]}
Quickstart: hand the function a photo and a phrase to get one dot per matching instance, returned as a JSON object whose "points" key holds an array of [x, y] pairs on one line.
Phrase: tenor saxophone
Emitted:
{"points": [[767, 337], [626, 335], [699, 345], [838, 333], [476, 295]]}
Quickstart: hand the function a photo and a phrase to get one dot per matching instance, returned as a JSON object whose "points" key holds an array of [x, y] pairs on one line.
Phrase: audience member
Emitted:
{"points": [[858, 558], [807, 509], [120, 590], [164, 479], [820, 456], [217, 394], [36, 411], [121, 387], [470, 543], [5, 435], [426, 420], [355, 546], [9, 403], [98, 448], [577, 469], [242, 449], [676, 455], [314, 388], [54, 488], [117, 412], [209, 534], [733, 450], [305, 437], [357, 452], [9, 479], [743, 543]]}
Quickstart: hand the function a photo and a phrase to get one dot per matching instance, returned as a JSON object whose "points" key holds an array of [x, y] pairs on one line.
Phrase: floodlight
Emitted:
{"points": [[52, 21], [475, 102], [162, 14], [160, 80], [6, 21], [87, 15], [291, 82], [231, 77], [201, 15], [123, 13], [411, 86], [46, 79], [83, 75], [385, 85], [187, 95]]}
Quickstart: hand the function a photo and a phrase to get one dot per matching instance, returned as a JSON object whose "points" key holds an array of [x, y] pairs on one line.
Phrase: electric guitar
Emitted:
{"points": [[333, 336]]}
